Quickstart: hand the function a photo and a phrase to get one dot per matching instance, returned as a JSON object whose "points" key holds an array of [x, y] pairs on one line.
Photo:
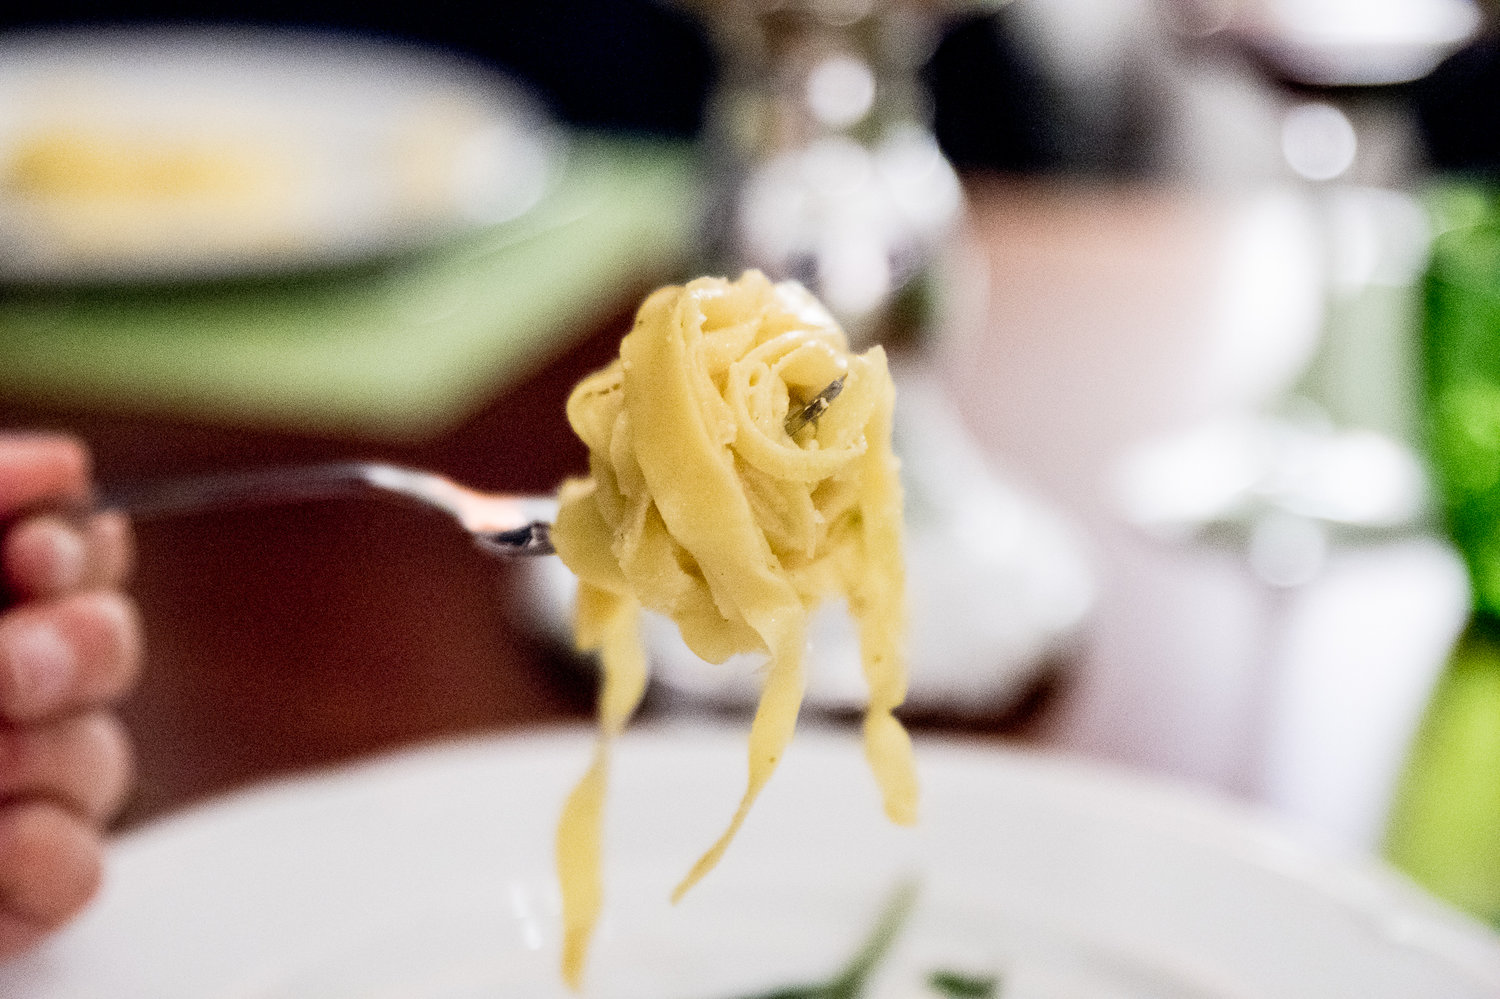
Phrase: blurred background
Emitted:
{"points": [[1194, 307]]}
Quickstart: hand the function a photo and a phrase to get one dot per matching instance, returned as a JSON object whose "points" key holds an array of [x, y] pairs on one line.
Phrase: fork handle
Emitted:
{"points": [[229, 490], [500, 525]]}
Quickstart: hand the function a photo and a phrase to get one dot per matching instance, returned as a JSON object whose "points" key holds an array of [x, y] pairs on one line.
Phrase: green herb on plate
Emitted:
{"points": [[850, 981], [961, 985]]}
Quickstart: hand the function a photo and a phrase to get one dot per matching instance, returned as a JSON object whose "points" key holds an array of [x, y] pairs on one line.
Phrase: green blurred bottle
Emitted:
{"points": [[1445, 823]]}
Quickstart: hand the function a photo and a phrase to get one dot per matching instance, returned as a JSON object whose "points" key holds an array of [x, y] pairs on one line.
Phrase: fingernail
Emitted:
{"points": [[40, 661]]}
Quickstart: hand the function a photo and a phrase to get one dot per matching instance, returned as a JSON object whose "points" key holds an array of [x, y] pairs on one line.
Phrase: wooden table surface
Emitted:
{"points": [[1084, 321]]}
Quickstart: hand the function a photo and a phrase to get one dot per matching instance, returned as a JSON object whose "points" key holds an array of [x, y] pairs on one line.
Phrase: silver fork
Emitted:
{"points": [[499, 523]]}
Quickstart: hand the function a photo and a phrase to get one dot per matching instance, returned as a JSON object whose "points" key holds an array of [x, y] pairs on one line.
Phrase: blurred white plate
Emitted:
{"points": [[133, 155], [1351, 43], [430, 875]]}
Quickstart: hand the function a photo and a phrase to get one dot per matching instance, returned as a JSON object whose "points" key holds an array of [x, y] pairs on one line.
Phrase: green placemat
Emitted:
{"points": [[399, 350]]}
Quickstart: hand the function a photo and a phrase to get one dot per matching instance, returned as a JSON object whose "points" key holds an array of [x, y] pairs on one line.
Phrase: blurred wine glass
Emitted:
{"points": [[828, 171], [1326, 456], [1330, 461]]}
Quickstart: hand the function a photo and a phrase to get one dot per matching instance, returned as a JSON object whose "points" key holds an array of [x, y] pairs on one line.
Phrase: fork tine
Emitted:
{"points": [[815, 407]]}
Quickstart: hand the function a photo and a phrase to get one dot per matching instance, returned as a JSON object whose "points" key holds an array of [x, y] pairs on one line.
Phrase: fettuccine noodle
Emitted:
{"points": [[701, 505]]}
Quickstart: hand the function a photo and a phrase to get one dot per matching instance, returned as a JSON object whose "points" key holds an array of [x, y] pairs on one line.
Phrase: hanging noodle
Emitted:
{"points": [[701, 505]]}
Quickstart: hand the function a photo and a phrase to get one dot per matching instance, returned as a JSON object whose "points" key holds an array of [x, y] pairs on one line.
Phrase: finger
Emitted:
{"points": [[41, 468], [59, 656], [17, 935], [111, 545], [51, 864], [49, 555], [43, 556], [83, 763]]}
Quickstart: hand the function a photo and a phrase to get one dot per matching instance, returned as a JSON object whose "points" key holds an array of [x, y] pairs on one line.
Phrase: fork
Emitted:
{"points": [[501, 524]]}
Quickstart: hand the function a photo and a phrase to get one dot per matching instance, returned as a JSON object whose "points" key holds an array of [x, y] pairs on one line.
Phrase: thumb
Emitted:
{"points": [[39, 468]]}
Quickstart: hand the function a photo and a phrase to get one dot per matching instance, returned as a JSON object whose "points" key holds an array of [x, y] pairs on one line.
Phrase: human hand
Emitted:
{"points": [[70, 646]]}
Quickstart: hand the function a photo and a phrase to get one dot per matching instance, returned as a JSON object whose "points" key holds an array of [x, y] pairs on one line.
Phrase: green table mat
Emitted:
{"points": [[397, 351]]}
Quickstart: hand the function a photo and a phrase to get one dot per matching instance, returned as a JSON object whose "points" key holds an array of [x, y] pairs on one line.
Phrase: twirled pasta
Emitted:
{"points": [[701, 505]]}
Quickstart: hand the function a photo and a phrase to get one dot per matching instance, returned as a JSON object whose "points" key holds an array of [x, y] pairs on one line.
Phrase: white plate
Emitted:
{"points": [[131, 155], [429, 875]]}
